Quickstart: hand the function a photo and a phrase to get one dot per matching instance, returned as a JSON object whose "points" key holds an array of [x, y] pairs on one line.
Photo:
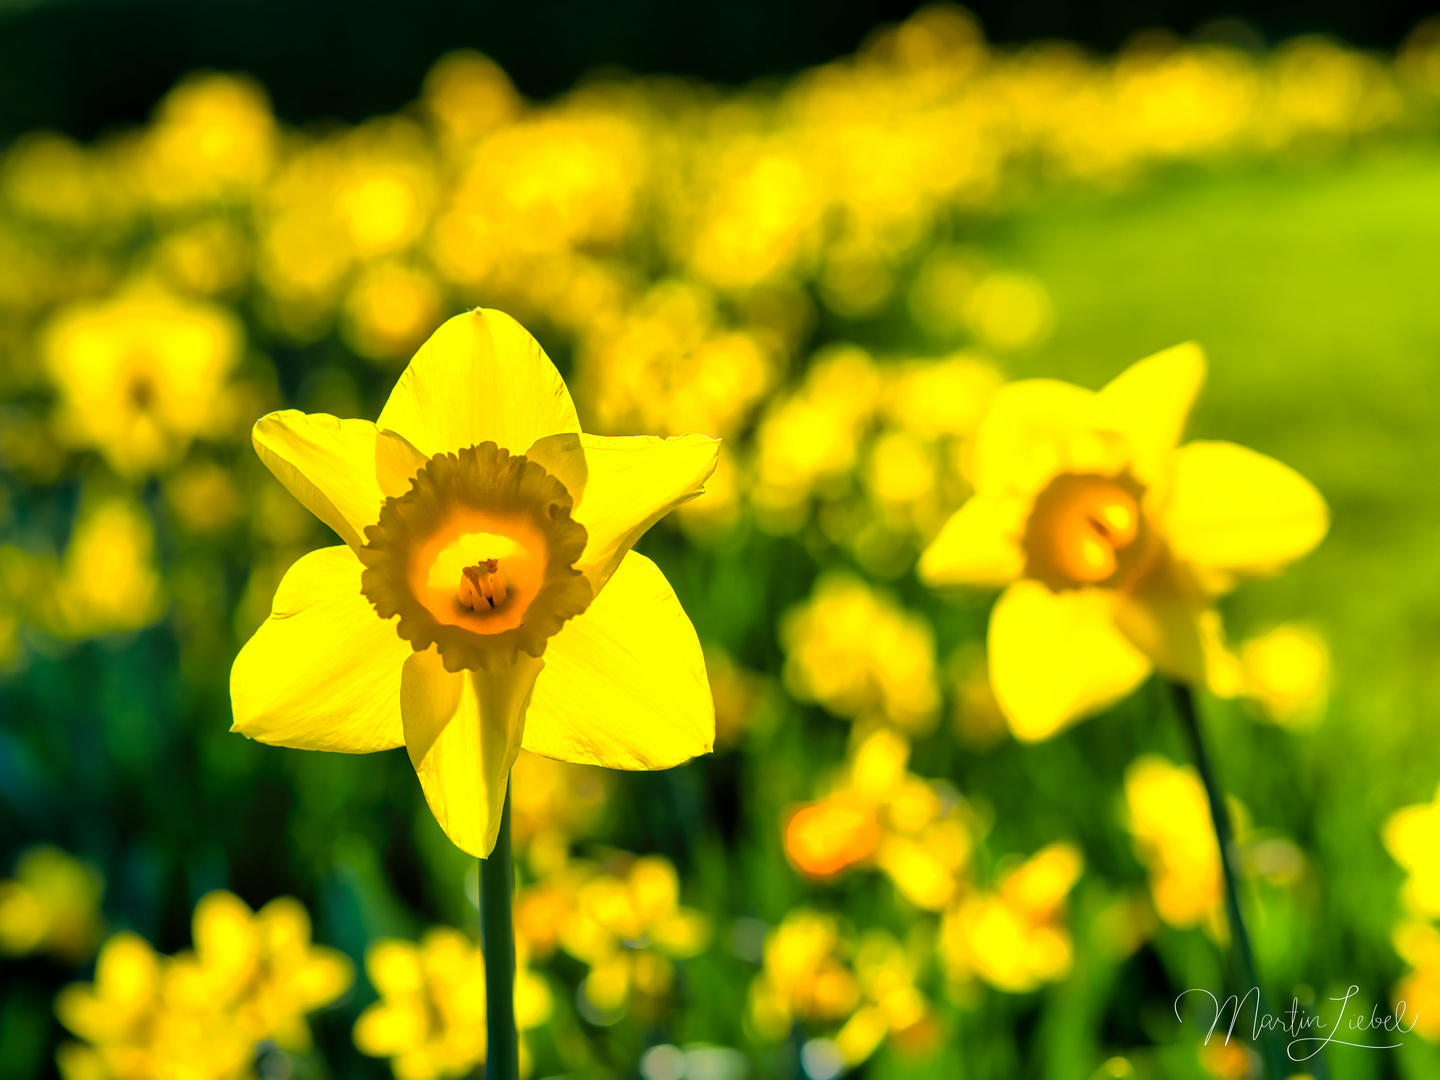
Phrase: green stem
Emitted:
{"points": [[497, 939], [1272, 1052]]}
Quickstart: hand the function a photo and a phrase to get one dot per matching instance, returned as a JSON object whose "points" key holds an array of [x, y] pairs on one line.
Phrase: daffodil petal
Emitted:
{"points": [[979, 545], [563, 457], [1161, 614], [341, 470], [1030, 434], [624, 684], [481, 377], [323, 671], [463, 732], [1234, 510], [1149, 403], [634, 482], [1057, 657]]}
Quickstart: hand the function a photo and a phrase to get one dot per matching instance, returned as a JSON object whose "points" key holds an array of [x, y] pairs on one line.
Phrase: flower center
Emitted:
{"points": [[1083, 531], [477, 558]]}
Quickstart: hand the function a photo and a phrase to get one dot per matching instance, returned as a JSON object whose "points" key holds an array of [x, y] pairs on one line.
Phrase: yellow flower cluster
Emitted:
{"points": [[251, 976], [921, 836], [815, 974], [860, 655], [430, 1019], [879, 449], [624, 922], [51, 906], [1412, 836], [916, 831], [1014, 936]]}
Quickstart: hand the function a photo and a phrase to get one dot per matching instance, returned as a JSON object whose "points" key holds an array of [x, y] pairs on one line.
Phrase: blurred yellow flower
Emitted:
{"points": [[628, 926], [890, 1001], [1412, 836], [670, 366], [52, 905], [1418, 943], [805, 976], [1015, 938], [213, 138], [832, 835], [113, 542], [810, 977], [133, 1032], [1169, 817], [1111, 541], [430, 1019], [478, 513], [140, 375], [857, 653], [915, 831], [1287, 671], [252, 976], [391, 308]]}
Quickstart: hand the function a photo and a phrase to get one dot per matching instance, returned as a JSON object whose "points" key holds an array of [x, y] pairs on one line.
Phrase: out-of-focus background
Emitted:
{"points": [[826, 233]]}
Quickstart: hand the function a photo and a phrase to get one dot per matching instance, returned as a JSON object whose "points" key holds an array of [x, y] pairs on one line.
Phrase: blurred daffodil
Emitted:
{"points": [[805, 976], [1412, 836], [251, 976], [1418, 943], [52, 905], [1169, 817], [1287, 672], [860, 655], [486, 596], [625, 922], [1112, 541], [914, 830], [430, 1019], [1015, 938], [141, 375]]}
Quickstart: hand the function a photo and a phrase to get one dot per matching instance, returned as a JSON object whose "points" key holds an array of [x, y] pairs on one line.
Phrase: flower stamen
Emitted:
{"points": [[1082, 530], [482, 584]]}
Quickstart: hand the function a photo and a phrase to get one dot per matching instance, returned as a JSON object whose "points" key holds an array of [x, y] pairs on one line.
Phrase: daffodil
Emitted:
{"points": [[486, 597], [1111, 540]]}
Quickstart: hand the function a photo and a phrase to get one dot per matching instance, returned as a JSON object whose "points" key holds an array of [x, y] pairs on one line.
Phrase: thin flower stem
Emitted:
{"points": [[1272, 1053], [497, 940]]}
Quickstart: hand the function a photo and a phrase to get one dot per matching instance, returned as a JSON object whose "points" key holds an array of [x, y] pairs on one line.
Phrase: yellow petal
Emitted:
{"points": [[323, 671], [1233, 510], [1031, 433], [979, 545], [463, 731], [624, 683], [634, 482], [563, 457], [480, 377], [1161, 615], [342, 470], [1056, 657], [1149, 403]]}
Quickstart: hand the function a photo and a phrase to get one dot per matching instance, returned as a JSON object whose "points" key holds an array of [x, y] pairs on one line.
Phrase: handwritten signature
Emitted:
{"points": [[1295, 1022]]}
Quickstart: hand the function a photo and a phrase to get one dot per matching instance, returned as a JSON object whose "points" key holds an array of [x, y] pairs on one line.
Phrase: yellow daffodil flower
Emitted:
{"points": [[486, 596], [1111, 540]]}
